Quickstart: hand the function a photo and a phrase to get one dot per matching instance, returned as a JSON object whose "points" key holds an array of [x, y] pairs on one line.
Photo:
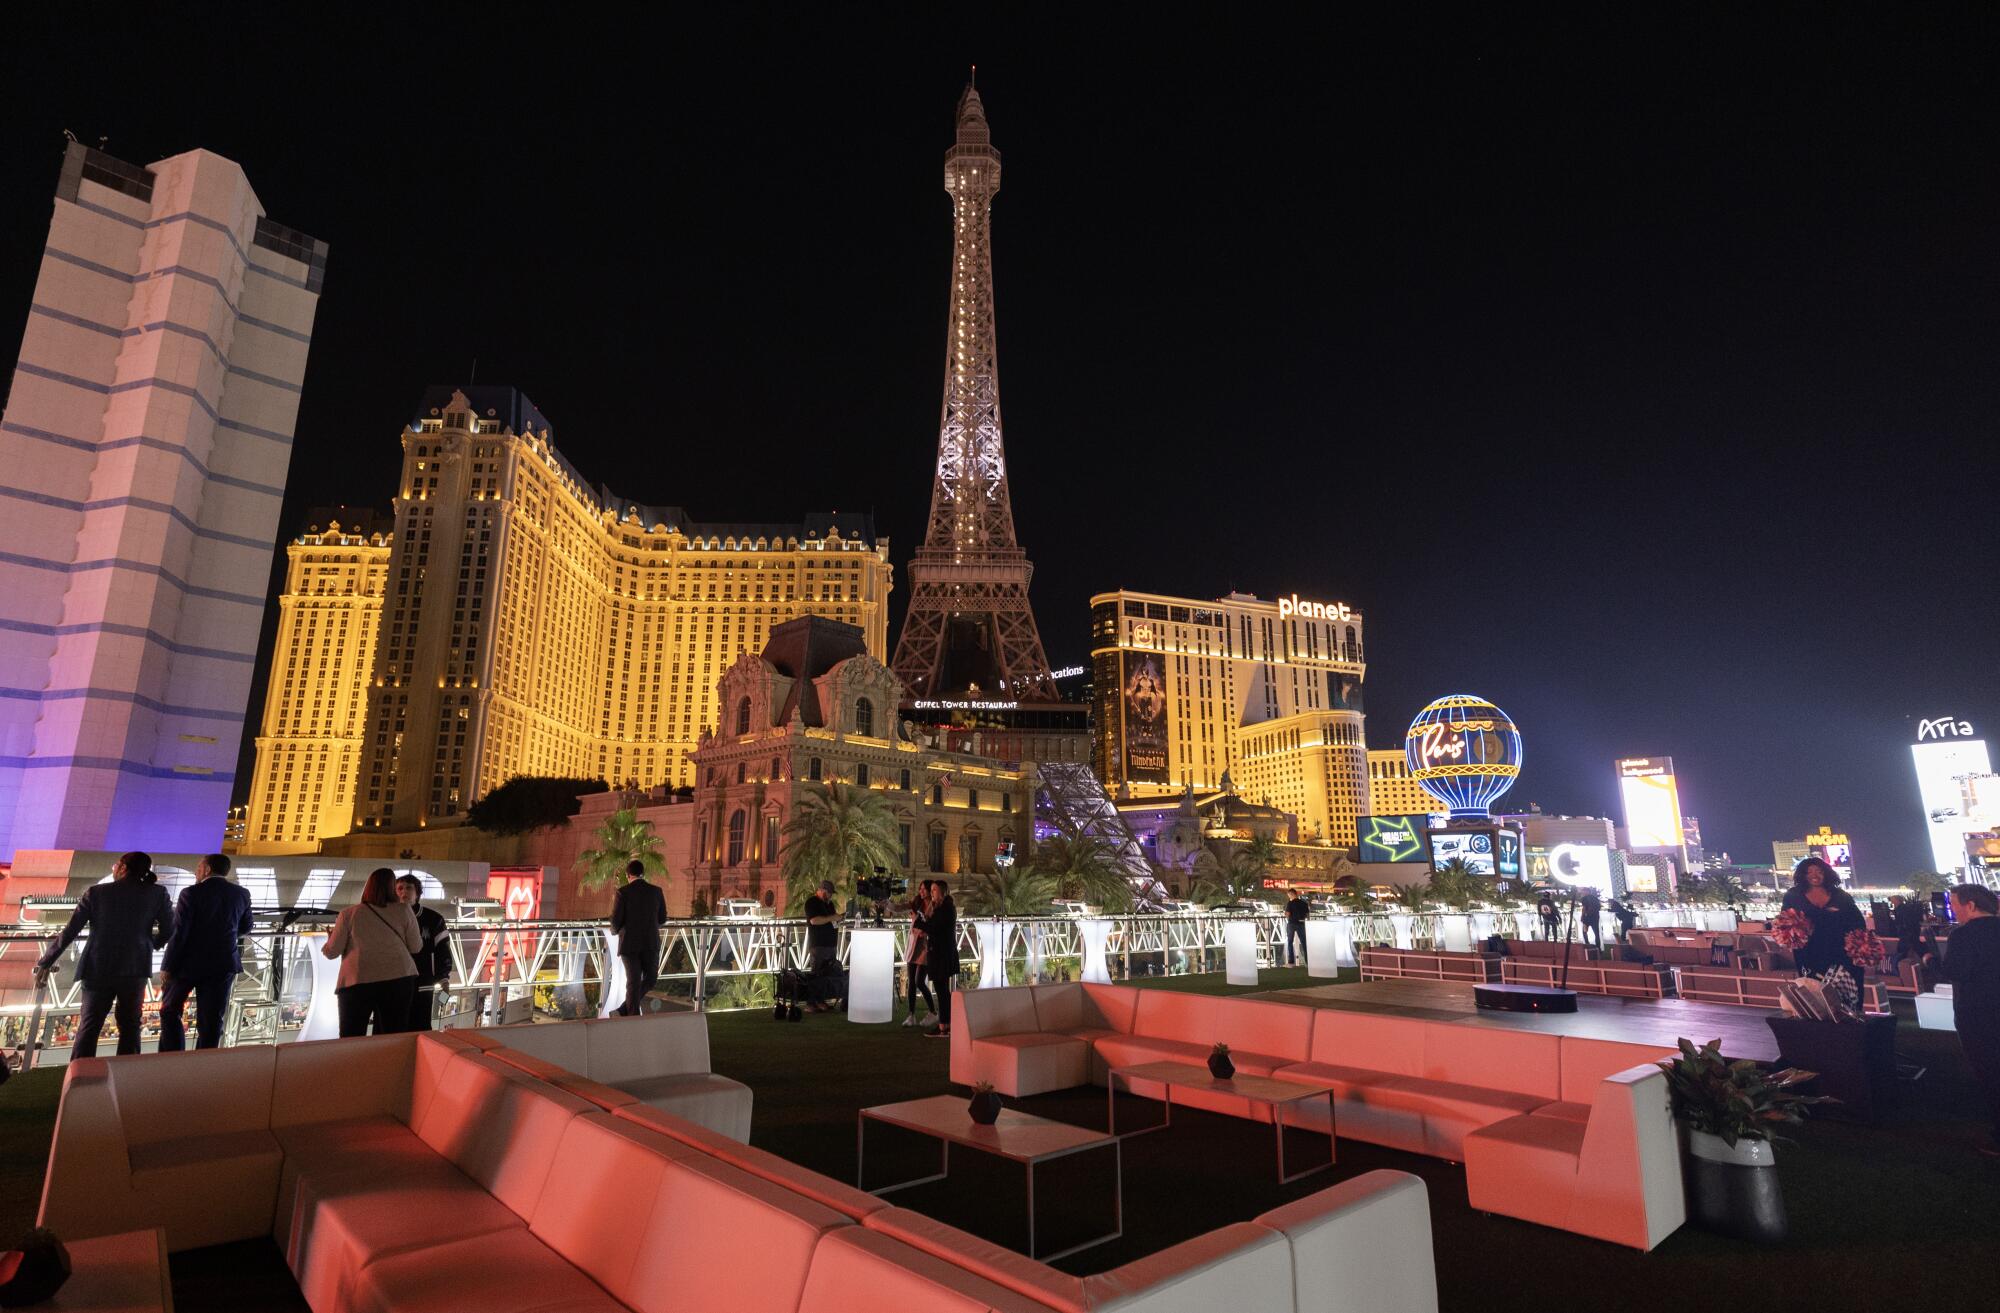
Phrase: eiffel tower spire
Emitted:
{"points": [[970, 627]]}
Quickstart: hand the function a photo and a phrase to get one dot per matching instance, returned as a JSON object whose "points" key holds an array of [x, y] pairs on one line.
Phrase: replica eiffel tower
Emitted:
{"points": [[970, 655]]}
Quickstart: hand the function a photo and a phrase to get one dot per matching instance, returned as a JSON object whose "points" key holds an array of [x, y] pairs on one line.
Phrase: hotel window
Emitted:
{"points": [[903, 844], [771, 837], [972, 799], [903, 781], [861, 773], [864, 717], [937, 850], [742, 769], [813, 768], [738, 824]]}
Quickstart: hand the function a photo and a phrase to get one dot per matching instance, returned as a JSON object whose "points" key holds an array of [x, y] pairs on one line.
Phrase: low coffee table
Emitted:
{"points": [[1018, 1136], [1275, 1094]]}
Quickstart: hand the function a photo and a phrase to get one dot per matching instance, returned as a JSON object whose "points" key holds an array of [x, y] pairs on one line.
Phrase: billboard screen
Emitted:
{"points": [[1641, 876], [1475, 849], [1652, 802], [1584, 865], [1143, 705], [1393, 838], [1507, 854], [1940, 766]]}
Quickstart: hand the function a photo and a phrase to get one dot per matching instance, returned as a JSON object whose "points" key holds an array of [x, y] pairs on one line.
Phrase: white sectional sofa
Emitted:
{"points": [[439, 1172], [1564, 1131], [661, 1060]]}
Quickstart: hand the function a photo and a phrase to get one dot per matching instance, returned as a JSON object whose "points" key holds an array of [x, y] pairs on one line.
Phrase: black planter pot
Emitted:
{"points": [[1220, 1067], [1736, 1199], [984, 1107]]}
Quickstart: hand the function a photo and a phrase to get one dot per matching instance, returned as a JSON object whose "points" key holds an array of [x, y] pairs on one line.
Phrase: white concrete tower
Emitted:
{"points": [[143, 454]]}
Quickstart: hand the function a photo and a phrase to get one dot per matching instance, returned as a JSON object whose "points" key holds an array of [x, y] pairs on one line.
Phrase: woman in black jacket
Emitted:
{"points": [[1831, 912], [941, 952], [128, 917]]}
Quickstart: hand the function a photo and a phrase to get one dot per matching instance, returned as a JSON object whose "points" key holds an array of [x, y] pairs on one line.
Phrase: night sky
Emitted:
{"points": [[1637, 373]]}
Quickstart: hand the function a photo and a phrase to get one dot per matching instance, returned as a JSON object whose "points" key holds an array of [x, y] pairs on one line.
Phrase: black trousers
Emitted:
{"points": [[1549, 925], [1295, 937], [642, 972], [1981, 1042], [211, 1000], [423, 1008], [919, 985], [100, 997], [1591, 933], [942, 984], [385, 1004]]}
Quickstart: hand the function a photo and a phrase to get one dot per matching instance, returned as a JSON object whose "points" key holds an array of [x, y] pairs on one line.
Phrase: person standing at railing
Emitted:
{"points": [[917, 968], [128, 917], [433, 960], [375, 940], [637, 914], [941, 952], [204, 955], [1592, 928], [1297, 909]]}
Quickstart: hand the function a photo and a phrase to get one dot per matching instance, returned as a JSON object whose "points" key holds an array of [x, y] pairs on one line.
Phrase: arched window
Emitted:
{"points": [[743, 715], [738, 827], [864, 717]]}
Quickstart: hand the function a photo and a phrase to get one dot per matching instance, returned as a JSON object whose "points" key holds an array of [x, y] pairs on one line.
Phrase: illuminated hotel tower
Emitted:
{"points": [[309, 743], [143, 456], [970, 634]]}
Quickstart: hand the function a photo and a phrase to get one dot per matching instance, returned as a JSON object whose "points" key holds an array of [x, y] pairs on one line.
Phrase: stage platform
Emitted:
{"points": [[1635, 1020]]}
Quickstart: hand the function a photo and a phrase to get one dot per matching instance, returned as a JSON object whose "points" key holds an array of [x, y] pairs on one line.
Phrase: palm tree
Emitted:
{"points": [[1413, 897], [1083, 866], [834, 834], [623, 838], [1925, 883], [1021, 891], [1458, 886]]}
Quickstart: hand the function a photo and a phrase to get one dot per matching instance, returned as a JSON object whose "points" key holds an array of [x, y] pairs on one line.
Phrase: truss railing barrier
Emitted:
{"points": [[503, 972]]}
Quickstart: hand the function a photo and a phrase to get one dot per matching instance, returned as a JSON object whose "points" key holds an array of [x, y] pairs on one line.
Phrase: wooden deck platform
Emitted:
{"points": [[1638, 1021]]}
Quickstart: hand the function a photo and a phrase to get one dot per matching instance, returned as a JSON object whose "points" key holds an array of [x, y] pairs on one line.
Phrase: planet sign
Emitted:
{"points": [[1465, 752]]}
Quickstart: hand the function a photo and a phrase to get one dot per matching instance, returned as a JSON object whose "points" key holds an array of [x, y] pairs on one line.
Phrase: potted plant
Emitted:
{"points": [[1731, 1111], [1219, 1065], [985, 1105]]}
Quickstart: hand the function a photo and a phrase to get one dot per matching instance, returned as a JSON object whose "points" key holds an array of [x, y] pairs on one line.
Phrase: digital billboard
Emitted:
{"points": [[1474, 848], [1507, 854], [1945, 754], [1652, 802], [1587, 866], [1143, 703], [1392, 838]]}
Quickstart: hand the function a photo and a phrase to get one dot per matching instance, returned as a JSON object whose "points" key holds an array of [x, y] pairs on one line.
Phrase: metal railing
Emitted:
{"points": [[503, 972]]}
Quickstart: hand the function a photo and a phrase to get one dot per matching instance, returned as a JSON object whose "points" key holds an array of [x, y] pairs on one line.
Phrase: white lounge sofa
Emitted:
{"points": [[1421, 1086], [429, 1175], [661, 1059]]}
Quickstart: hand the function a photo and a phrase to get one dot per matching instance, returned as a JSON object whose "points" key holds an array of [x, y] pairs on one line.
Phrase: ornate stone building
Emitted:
{"points": [[814, 708]]}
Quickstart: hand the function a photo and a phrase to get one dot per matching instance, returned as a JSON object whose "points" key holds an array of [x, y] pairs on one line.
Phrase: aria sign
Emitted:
{"points": [[1313, 610], [1943, 727]]}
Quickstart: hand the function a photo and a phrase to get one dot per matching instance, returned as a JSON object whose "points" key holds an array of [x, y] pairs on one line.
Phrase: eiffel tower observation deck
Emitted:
{"points": [[970, 657]]}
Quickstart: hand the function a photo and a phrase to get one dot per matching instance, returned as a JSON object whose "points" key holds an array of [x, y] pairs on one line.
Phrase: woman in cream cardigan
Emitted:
{"points": [[376, 941]]}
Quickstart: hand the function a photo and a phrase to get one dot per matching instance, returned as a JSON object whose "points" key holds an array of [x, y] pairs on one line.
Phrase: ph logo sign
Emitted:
{"points": [[1943, 727]]}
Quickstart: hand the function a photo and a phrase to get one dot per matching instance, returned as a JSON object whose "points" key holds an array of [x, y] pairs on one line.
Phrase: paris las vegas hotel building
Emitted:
{"points": [[516, 620], [1268, 692]]}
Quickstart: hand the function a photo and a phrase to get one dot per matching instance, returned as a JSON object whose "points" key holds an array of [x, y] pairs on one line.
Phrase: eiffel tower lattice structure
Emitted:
{"points": [[970, 632]]}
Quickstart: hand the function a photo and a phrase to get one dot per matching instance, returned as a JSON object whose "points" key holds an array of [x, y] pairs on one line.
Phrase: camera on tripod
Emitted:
{"points": [[881, 886]]}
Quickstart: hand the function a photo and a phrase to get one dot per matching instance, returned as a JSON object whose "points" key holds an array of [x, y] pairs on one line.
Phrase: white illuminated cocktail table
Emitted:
{"points": [[1274, 1094], [1017, 1136], [871, 975]]}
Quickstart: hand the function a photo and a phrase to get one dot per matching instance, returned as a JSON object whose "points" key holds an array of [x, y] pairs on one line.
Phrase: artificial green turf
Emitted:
{"points": [[1881, 1215]]}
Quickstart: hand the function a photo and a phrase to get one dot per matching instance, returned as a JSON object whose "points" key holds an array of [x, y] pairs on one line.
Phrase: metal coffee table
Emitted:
{"points": [[1274, 1094], [1018, 1136]]}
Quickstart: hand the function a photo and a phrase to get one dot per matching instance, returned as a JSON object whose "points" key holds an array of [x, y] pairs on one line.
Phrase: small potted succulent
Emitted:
{"points": [[1219, 1065], [1731, 1111], [985, 1104]]}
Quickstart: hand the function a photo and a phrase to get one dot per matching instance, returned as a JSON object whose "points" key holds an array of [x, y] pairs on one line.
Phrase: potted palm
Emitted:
{"points": [[1731, 1111]]}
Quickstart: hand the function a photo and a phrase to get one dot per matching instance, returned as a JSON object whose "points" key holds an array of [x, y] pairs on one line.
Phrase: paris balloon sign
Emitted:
{"points": [[1465, 752]]}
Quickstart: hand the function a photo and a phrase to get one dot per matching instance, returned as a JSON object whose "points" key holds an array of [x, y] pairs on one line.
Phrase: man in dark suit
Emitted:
{"points": [[637, 914], [1972, 965], [204, 955], [433, 959]]}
